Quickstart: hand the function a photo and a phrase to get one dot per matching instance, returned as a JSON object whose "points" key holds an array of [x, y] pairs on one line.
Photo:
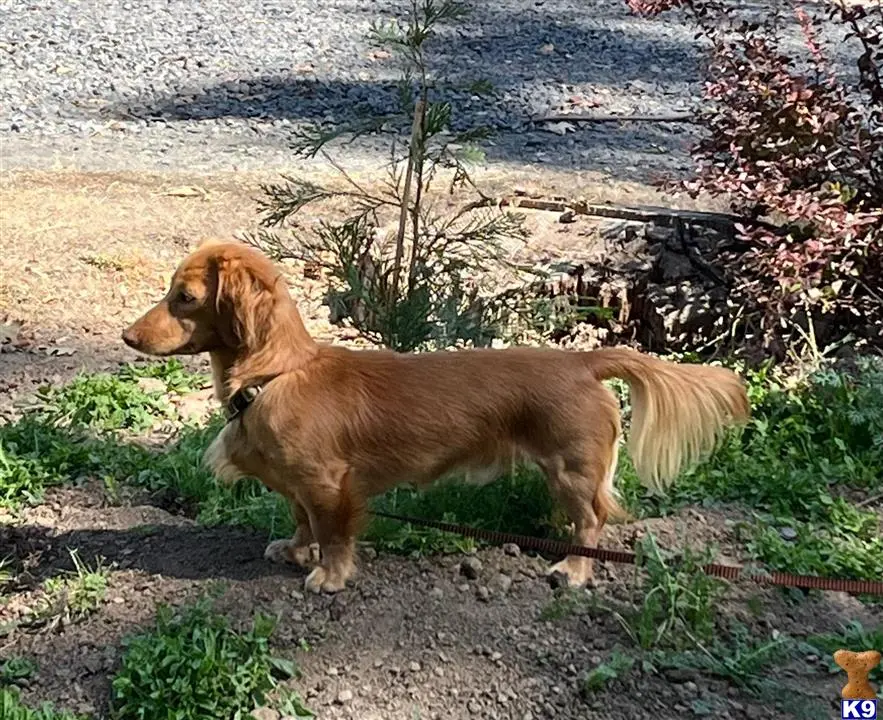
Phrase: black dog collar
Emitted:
{"points": [[241, 399]]}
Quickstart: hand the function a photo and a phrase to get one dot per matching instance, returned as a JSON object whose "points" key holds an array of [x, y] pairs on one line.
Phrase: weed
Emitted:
{"points": [[176, 377], [16, 669], [617, 665], [564, 603], [194, 661], [678, 602], [102, 402], [70, 597], [853, 636], [11, 708], [740, 659], [291, 705]]}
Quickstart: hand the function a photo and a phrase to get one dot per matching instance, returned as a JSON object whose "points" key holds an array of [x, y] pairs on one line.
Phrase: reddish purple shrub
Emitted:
{"points": [[786, 140]]}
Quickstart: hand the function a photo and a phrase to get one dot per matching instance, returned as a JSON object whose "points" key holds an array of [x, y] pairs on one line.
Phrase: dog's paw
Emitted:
{"points": [[279, 551], [284, 552], [320, 580], [569, 574]]}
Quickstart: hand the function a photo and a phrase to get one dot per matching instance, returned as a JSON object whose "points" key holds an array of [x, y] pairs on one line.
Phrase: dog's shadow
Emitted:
{"points": [[189, 552]]}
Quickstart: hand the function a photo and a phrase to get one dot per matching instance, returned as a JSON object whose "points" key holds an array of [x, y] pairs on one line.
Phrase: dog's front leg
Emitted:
{"points": [[336, 511], [302, 549]]}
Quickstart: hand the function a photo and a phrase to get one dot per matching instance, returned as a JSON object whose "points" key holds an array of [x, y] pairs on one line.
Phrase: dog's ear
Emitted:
{"points": [[244, 301]]}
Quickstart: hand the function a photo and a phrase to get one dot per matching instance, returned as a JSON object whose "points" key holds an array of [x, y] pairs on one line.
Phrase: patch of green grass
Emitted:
{"points": [[616, 666], [809, 446], [11, 708], [518, 503], [35, 455], [855, 637], [677, 600], [102, 402], [69, 597], [16, 669], [739, 658], [81, 591], [176, 377], [194, 662], [566, 602]]}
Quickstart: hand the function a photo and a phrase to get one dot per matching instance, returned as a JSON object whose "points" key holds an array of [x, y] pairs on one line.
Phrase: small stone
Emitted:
{"points": [[369, 553], [471, 567], [568, 216], [504, 582], [496, 656], [483, 593], [436, 593], [297, 595], [333, 671], [265, 713], [344, 696], [788, 533], [151, 385], [414, 666], [512, 550]]}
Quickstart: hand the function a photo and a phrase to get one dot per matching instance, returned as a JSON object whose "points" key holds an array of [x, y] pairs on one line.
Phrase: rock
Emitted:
{"points": [[511, 549], [343, 697], [369, 553], [504, 583], [265, 713], [788, 534], [471, 567], [482, 593], [436, 593], [151, 385], [414, 666]]}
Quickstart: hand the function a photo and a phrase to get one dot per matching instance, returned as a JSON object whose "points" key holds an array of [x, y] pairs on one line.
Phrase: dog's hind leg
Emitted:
{"points": [[584, 486], [302, 549]]}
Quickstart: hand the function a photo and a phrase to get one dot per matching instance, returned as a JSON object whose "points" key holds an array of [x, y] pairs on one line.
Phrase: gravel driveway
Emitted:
{"points": [[219, 84]]}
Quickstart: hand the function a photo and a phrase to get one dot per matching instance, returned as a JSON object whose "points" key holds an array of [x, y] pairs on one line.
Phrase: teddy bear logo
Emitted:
{"points": [[858, 666]]}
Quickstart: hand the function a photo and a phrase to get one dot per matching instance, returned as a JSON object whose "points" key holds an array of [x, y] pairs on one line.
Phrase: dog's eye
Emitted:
{"points": [[185, 297]]}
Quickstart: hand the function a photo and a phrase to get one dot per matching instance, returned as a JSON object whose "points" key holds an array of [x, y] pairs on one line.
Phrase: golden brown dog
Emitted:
{"points": [[328, 427]]}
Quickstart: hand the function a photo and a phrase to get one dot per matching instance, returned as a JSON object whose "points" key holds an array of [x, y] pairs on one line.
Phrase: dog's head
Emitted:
{"points": [[221, 297]]}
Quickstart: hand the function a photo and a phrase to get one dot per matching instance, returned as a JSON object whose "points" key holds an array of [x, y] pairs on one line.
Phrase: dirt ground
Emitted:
{"points": [[81, 256]]}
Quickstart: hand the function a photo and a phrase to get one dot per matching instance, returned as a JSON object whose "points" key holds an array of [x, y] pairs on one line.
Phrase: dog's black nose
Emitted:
{"points": [[130, 338]]}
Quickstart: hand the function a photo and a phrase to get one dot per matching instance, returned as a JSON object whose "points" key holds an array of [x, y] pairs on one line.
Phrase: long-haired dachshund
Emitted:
{"points": [[328, 427]]}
